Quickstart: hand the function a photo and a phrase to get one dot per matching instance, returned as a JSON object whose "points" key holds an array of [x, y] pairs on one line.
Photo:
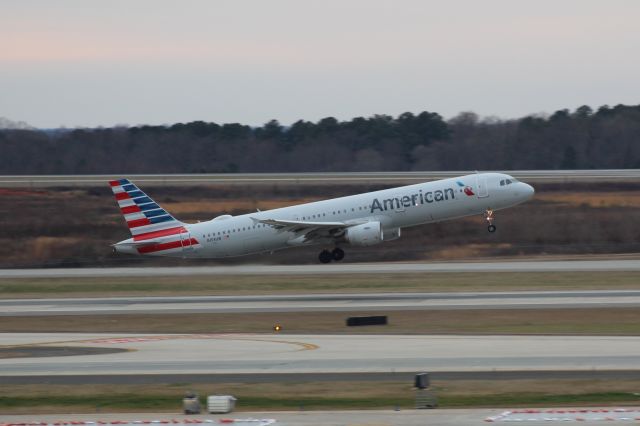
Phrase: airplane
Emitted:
{"points": [[357, 220]]}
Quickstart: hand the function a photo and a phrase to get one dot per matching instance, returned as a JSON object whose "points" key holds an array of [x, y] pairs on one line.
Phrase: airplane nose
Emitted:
{"points": [[528, 190]]}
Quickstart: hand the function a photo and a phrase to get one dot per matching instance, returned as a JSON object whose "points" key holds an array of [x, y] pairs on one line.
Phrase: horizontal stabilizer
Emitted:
{"points": [[136, 244]]}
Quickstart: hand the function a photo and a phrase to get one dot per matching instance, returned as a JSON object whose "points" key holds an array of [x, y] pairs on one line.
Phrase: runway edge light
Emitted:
{"points": [[277, 327]]}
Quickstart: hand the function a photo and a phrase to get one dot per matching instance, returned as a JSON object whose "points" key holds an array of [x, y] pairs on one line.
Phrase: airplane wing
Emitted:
{"points": [[308, 230]]}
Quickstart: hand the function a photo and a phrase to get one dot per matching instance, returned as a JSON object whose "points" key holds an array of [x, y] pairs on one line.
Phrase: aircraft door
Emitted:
{"points": [[483, 189]]}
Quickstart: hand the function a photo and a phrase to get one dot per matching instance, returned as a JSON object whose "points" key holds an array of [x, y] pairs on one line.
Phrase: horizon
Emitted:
{"points": [[69, 64], [489, 118]]}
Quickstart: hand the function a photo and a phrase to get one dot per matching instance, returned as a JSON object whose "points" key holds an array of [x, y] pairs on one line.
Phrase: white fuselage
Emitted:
{"points": [[394, 208]]}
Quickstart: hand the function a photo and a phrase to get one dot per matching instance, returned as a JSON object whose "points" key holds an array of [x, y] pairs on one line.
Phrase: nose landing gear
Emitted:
{"points": [[327, 256], [488, 215]]}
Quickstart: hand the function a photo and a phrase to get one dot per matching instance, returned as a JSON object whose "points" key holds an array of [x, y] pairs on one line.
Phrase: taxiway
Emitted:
{"points": [[273, 353], [334, 268], [321, 302]]}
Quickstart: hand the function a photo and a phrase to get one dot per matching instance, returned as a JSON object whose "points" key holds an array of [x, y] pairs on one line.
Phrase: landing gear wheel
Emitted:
{"points": [[488, 215], [338, 254], [325, 256]]}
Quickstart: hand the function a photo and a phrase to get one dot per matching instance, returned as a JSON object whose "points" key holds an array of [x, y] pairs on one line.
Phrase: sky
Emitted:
{"points": [[81, 63]]}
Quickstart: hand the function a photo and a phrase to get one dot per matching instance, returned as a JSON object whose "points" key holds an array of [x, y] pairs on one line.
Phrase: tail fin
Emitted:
{"points": [[145, 218]]}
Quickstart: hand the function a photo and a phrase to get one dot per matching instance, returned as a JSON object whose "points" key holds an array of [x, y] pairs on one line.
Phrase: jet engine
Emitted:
{"points": [[366, 234]]}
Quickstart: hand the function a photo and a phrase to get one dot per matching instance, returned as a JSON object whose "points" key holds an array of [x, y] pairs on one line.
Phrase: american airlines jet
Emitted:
{"points": [[357, 220]]}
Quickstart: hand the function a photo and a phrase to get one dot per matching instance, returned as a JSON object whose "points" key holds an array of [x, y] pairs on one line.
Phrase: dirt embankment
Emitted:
{"points": [[75, 227]]}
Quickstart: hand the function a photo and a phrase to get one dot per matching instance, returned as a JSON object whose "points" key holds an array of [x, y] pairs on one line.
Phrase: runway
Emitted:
{"points": [[321, 302], [384, 416], [334, 268], [275, 354], [531, 176]]}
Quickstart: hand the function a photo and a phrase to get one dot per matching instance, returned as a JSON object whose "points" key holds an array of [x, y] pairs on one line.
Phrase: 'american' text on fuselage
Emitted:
{"points": [[412, 200]]}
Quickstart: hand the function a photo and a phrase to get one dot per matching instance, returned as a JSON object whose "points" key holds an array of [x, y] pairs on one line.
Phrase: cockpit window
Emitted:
{"points": [[502, 182]]}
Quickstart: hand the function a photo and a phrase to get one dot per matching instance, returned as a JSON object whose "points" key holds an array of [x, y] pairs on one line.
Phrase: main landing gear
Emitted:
{"points": [[488, 215], [327, 256]]}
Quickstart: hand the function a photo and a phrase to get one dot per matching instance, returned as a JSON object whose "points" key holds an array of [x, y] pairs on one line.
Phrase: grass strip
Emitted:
{"points": [[305, 395], [588, 321], [158, 403], [351, 283]]}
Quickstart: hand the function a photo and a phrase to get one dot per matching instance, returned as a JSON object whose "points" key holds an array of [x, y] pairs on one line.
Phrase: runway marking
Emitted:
{"points": [[567, 415], [239, 422], [303, 346]]}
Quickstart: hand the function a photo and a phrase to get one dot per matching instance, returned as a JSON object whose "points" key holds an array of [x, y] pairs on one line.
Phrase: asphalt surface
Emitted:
{"points": [[278, 354], [320, 303], [47, 351], [333, 268], [531, 176], [386, 416]]}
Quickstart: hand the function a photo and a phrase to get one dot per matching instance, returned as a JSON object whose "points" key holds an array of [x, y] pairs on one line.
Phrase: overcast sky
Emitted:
{"points": [[91, 63]]}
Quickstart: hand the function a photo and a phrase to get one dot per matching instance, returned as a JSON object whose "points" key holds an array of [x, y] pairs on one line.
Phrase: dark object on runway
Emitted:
{"points": [[422, 381], [191, 403], [373, 320]]}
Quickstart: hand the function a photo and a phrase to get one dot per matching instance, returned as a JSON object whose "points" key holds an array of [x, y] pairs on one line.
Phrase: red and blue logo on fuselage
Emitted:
{"points": [[466, 189]]}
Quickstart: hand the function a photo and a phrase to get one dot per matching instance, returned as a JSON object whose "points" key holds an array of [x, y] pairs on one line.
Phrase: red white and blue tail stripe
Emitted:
{"points": [[152, 227]]}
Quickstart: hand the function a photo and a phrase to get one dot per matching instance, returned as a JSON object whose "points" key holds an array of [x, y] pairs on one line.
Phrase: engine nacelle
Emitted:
{"points": [[367, 234], [390, 234]]}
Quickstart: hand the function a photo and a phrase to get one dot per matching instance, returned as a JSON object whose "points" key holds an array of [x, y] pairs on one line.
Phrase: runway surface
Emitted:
{"points": [[531, 176], [320, 302], [334, 268], [269, 353], [385, 416]]}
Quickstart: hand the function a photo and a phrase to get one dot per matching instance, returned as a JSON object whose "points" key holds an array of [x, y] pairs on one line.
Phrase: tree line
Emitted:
{"points": [[608, 137]]}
